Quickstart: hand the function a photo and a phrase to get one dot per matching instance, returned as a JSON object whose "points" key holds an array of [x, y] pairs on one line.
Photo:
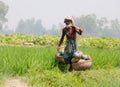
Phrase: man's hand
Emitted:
{"points": [[58, 48]]}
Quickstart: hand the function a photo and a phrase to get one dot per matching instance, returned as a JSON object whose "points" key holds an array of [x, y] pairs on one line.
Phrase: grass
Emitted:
{"points": [[37, 65], [19, 60], [103, 58]]}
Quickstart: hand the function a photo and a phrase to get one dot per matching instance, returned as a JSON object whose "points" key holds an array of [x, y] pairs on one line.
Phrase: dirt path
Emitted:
{"points": [[15, 83]]}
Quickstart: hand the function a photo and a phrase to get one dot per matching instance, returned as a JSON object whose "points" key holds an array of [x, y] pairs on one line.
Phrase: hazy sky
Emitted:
{"points": [[53, 11]]}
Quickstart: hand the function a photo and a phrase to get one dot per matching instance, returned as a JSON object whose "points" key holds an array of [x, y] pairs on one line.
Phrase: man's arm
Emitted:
{"points": [[61, 39], [79, 30]]}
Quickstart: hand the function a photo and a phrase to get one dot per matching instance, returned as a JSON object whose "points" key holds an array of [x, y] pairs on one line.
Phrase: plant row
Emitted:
{"points": [[20, 39]]}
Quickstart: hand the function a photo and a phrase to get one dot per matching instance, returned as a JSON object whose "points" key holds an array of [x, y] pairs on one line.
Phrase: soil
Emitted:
{"points": [[17, 82]]}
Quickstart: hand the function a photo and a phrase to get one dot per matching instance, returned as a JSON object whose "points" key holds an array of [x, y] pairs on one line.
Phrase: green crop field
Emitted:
{"points": [[38, 67]]}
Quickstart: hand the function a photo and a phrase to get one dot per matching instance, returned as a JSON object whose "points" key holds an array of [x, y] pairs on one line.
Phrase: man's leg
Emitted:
{"points": [[70, 69]]}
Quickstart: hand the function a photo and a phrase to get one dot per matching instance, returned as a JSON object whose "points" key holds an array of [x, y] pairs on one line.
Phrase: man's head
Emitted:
{"points": [[69, 20]]}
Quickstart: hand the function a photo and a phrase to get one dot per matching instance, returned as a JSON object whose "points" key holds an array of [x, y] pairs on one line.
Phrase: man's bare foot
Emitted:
{"points": [[70, 69]]}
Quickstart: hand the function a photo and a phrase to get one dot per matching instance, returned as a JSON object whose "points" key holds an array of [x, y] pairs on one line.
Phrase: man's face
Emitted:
{"points": [[67, 22]]}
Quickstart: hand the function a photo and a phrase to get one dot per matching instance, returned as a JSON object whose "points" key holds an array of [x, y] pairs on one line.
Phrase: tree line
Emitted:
{"points": [[91, 25]]}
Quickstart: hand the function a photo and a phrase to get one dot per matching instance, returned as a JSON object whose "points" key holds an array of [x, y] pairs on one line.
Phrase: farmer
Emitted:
{"points": [[69, 31]]}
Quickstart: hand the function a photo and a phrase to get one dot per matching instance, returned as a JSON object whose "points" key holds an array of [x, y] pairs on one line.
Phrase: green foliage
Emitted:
{"points": [[103, 58], [20, 60], [19, 39], [37, 64], [39, 67]]}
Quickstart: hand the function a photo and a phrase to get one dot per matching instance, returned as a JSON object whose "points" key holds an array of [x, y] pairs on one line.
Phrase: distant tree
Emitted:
{"points": [[54, 30], [21, 27], [102, 27], [30, 26], [91, 25], [88, 22], [115, 26], [102, 23], [3, 12], [39, 28]]}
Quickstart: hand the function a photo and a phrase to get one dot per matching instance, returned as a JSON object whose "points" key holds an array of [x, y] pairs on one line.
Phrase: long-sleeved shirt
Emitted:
{"points": [[70, 33]]}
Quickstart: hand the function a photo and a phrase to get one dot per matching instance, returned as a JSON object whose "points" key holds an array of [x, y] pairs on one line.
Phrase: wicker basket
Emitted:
{"points": [[59, 58], [82, 64]]}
